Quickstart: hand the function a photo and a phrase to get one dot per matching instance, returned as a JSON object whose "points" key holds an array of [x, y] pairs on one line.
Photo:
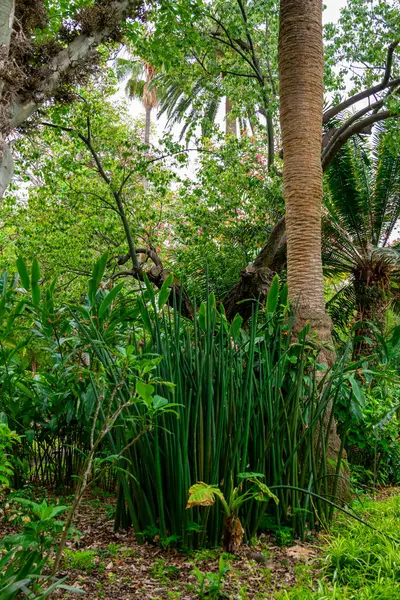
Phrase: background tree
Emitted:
{"points": [[69, 218], [48, 48], [139, 76]]}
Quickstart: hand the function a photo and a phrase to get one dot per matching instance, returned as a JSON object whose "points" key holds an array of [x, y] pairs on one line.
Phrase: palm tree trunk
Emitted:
{"points": [[301, 64], [301, 69]]}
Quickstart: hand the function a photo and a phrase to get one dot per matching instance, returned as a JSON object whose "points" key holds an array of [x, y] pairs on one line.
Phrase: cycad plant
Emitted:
{"points": [[363, 209]]}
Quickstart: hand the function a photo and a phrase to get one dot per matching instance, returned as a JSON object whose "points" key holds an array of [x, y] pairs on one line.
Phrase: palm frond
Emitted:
{"points": [[346, 204], [135, 88], [339, 253], [210, 115], [342, 306], [133, 69], [386, 196]]}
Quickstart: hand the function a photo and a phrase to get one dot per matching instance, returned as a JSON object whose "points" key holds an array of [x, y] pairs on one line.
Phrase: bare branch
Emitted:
{"points": [[361, 127], [385, 83], [266, 256]]}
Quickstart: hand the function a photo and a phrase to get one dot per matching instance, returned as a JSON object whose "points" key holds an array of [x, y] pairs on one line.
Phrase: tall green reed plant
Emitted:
{"points": [[247, 400]]}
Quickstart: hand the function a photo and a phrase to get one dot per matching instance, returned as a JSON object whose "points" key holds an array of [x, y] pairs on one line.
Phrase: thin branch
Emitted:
{"points": [[249, 75], [335, 110], [249, 38], [342, 129], [362, 127]]}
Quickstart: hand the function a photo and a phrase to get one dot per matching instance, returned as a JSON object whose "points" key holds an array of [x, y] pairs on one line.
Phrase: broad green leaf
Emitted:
{"points": [[148, 285], [144, 390], [35, 276], [357, 391], [23, 272], [249, 475], [145, 315], [25, 390], [107, 300], [202, 316], [235, 326], [273, 295], [202, 494], [36, 293], [165, 290], [265, 493], [98, 270], [159, 402], [396, 336]]}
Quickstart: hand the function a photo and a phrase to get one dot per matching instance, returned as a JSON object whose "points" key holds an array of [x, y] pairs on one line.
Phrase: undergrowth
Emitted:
{"points": [[357, 562]]}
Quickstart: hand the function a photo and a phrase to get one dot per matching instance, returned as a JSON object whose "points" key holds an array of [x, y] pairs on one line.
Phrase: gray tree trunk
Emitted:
{"points": [[147, 126], [230, 122]]}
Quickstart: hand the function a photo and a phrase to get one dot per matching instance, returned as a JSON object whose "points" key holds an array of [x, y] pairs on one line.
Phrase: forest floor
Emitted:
{"points": [[351, 562]]}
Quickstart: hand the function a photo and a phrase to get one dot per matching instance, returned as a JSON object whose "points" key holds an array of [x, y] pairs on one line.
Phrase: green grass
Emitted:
{"points": [[357, 562]]}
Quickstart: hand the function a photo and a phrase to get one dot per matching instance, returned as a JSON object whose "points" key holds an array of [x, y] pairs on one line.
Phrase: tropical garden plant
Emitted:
{"points": [[147, 345], [363, 209]]}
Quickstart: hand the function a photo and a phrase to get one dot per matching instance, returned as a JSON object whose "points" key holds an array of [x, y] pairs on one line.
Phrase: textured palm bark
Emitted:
{"points": [[301, 69], [301, 64]]}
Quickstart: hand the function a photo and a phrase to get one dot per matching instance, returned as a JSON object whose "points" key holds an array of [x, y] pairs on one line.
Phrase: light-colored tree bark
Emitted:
{"points": [[230, 122], [301, 68], [7, 11], [16, 108]]}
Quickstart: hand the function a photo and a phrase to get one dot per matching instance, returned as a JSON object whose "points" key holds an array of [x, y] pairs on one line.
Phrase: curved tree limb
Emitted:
{"points": [[361, 127], [157, 275], [18, 98], [385, 83], [68, 59]]}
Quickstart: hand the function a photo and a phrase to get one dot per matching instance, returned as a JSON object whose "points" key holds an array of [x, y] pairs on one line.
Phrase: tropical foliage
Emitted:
{"points": [[363, 210], [189, 354]]}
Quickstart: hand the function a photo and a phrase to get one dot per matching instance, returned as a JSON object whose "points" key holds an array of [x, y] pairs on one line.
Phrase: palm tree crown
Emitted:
{"points": [[139, 76]]}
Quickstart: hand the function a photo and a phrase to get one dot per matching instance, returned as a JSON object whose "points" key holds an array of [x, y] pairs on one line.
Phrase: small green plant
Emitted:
{"points": [[27, 553], [7, 439], [113, 549], [206, 554], [284, 536], [210, 584], [40, 526], [81, 560], [202, 494], [163, 572]]}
